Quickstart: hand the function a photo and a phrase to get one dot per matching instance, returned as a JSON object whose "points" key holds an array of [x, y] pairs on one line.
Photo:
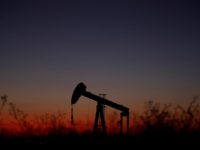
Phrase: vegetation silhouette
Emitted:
{"points": [[165, 124]]}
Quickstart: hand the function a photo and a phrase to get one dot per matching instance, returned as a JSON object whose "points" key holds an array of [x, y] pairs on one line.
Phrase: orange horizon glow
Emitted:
{"points": [[84, 114], [36, 128]]}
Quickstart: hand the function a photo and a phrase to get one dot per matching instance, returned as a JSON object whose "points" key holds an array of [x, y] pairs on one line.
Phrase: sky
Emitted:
{"points": [[133, 51]]}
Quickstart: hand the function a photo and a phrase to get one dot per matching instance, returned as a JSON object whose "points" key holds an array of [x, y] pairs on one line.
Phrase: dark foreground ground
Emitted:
{"points": [[71, 140]]}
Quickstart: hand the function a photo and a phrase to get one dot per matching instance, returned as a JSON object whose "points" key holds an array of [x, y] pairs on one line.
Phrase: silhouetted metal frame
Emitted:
{"points": [[80, 90]]}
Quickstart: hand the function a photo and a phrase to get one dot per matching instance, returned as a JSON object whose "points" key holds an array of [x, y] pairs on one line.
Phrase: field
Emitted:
{"points": [[159, 126]]}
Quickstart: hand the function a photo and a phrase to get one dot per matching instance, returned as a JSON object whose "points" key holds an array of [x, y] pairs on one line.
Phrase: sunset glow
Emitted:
{"points": [[143, 55]]}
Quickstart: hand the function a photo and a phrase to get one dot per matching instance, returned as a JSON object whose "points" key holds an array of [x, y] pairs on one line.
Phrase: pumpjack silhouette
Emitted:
{"points": [[80, 90]]}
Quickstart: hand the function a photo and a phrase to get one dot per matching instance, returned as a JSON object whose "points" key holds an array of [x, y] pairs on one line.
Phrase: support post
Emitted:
{"points": [[99, 113], [121, 124], [127, 124]]}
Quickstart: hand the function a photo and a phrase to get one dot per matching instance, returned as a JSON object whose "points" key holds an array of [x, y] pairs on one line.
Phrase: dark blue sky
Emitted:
{"points": [[132, 50]]}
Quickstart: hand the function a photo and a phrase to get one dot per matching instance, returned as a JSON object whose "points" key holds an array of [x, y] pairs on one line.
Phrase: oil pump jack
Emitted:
{"points": [[80, 90]]}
